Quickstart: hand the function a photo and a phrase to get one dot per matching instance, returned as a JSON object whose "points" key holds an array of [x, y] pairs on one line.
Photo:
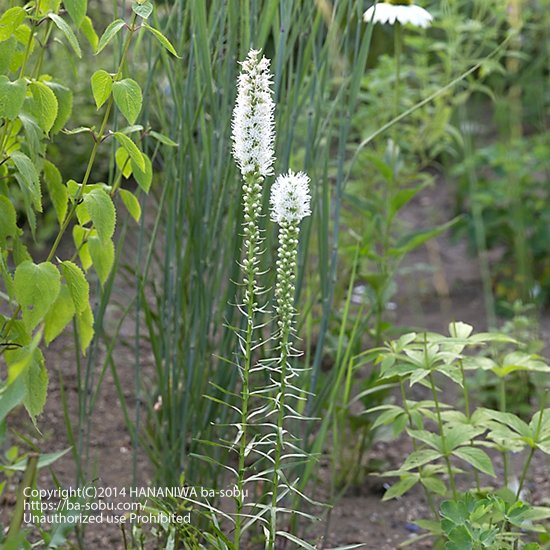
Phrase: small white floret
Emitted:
{"points": [[290, 199]]}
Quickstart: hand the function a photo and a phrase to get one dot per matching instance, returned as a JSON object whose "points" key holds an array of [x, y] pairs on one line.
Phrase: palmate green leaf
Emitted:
{"points": [[166, 44], [59, 315], [77, 10], [57, 191], [144, 178], [8, 221], [10, 21], [131, 203], [62, 25], [29, 177], [77, 284], [102, 86], [12, 97], [64, 98], [132, 149], [103, 256], [110, 32], [477, 458], [42, 105], [128, 98], [102, 212], [407, 482], [36, 289], [143, 9]]}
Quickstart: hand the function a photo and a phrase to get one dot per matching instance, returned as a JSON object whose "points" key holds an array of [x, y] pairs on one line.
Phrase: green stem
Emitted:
{"points": [[442, 435], [502, 405], [468, 415]]}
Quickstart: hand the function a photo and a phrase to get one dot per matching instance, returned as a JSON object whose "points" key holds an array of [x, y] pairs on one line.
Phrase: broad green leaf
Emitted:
{"points": [[144, 178], [12, 97], [64, 98], [79, 236], [62, 25], [102, 86], [102, 213], [43, 105], [8, 220], [123, 162], [434, 485], [10, 21], [103, 257], [144, 10], [57, 191], [11, 396], [59, 315], [36, 289], [110, 32], [77, 10], [128, 98], [36, 382], [162, 39], [401, 487], [77, 284], [419, 458], [46, 6], [88, 31], [165, 140], [85, 327], [131, 203], [7, 52], [29, 176], [477, 458], [132, 149]]}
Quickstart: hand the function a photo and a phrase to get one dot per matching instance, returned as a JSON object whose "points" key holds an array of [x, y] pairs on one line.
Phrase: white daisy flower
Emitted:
{"points": [[290, 199], [253, 123], [388, 12]]}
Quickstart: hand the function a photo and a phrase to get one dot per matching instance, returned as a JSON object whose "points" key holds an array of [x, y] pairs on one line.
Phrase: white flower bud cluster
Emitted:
{"points": [[290, 199], [253, 121]]}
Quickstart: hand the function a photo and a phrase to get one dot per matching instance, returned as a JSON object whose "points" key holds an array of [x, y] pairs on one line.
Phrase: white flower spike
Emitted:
{"points": [[403, 12], [253, 122], [290, 199]]}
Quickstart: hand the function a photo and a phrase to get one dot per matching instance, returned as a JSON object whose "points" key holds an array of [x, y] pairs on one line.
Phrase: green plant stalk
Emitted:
{"points": [[286, 273], [429, 497], [468, 415], [28, 480], [442, 435], [252, 197], [502, 406]]}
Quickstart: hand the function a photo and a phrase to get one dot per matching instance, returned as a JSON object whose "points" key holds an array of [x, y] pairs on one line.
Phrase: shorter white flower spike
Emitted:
{"points": [[290, 199], [384, 12]]}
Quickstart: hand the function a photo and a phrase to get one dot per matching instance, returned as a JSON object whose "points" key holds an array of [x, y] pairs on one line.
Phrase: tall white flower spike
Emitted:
{"points": [[253, 121], [290, 199], [401, 12]]}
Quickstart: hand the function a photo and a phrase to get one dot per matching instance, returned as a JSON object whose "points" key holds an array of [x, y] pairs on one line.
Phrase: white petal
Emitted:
{"points": [[390, 13]]}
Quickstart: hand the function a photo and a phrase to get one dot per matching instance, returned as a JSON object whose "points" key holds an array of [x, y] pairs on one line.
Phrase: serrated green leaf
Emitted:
{"points": [[7, 52], [132, 149], [128, 98], [110, 32], [144, 178], [162, 39], [10, 21], [477, 458], [43, 105], [88, 31], [36, 289], [8, 220], [85, 327], [123, 162], [77, 284], [103, 257], [36, 382], [59, 315], [144, 10], [11, 396], [62, 25], [102, 86], [401, 487], [29, 177], [46, 6], [57, 191], [64, 103], [131, 203], [102, 212], [12, 97], [79, 236], [165, 140], [77, 10]]}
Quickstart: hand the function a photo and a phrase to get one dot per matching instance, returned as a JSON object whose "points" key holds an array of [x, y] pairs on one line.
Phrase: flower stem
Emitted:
{"points": [[502, 405]]}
